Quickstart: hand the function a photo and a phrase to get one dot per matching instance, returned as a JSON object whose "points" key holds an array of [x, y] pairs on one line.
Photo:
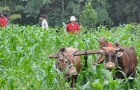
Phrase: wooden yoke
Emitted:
{"points": [[86, 52], [78, 53]]}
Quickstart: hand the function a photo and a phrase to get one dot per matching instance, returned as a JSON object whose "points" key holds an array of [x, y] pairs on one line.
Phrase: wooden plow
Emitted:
{"points": [[86, 53]]}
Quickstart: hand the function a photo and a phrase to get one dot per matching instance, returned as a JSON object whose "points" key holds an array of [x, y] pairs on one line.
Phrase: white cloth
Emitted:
{"points": [[44, 24]]}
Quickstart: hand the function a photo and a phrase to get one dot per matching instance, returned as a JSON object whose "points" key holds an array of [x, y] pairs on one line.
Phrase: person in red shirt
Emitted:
{"points": [[3, 21], [103, 43], [72, 27]]}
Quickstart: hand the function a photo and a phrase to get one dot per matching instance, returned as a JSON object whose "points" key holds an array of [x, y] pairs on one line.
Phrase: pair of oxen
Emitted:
{"points": [[116, 57]]}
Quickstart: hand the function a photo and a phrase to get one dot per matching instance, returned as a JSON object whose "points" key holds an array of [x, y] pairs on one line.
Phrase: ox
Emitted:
{"points": [[123, 59], [68, 63], [117, 58]]}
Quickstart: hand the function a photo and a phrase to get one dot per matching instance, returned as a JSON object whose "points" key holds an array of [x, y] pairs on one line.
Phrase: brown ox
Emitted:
{"points": [[68, 63], [123, 58]]}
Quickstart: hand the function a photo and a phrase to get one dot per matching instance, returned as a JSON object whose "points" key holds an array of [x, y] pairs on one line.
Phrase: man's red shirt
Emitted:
{"points": [[107, 45], [72, 28]]}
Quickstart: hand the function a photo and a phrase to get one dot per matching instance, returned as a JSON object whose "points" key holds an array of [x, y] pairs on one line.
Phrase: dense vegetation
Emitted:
{"points": [[109, 12], [24, 62]]}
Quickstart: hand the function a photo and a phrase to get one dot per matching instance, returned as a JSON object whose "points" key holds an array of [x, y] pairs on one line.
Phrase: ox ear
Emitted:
{"points": [[119, 54], [116, 44], [53, 55], [119, 50]]}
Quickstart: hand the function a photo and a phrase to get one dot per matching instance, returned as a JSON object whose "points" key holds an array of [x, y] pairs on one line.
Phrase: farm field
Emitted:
{"points": [[25, 65]]}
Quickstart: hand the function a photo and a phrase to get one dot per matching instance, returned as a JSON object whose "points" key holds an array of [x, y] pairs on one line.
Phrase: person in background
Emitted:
{"points": [[103, 43], [3, 21], [72, 27], [44, 23]]}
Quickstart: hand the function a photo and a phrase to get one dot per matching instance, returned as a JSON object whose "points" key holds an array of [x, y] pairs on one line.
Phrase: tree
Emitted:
{"points": [[101, 7], [58, 11], [29, 10], [88, 17], [124, 11]]}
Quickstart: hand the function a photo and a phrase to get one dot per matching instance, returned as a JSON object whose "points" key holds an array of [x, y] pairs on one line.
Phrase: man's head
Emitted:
{"points": [[42, 17], [72, 19], [1, 15], [102, 41]]}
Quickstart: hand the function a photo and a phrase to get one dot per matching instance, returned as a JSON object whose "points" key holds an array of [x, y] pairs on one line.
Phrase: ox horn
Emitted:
{"points": [[53, 55], [119, 50]]}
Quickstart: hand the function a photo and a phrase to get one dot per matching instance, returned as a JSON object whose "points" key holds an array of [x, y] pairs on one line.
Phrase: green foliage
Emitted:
{"points": [[33, 9], [88, 17], [55, 13], [124, 11], [4, 9], [24, 61], [108, 12], [102, 7]]}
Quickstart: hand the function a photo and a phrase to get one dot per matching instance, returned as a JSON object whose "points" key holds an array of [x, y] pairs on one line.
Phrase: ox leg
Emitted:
{"points": [[131, 83], [131, 80], [74, 78]]}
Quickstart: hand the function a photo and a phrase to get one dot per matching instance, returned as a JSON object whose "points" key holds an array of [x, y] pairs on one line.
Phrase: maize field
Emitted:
{"points": [[25, 65]]}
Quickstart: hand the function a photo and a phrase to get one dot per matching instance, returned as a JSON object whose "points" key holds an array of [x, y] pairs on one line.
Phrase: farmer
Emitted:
{"points": [[103, 43], [3, 21], [72, 27], [44, 23]]}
